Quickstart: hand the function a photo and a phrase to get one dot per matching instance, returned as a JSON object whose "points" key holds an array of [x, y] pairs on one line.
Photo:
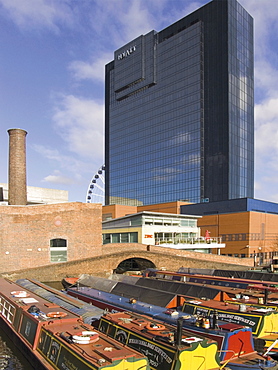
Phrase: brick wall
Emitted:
{"points": [[111, 255], [26, 232]]}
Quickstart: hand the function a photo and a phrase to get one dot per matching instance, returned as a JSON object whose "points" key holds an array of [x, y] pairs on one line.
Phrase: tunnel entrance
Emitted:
{"points": [[134, 265]]}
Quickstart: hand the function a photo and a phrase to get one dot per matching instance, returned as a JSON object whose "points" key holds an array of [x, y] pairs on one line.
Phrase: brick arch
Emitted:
{"points": [[109, 256], [134, 264]]}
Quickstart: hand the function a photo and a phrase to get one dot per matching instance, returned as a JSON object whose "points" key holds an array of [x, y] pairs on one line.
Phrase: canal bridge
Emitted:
{"points": [[112, 257]]}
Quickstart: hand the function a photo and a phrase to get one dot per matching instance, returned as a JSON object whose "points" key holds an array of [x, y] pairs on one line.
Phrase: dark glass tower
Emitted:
{"points": [[179, 111]]}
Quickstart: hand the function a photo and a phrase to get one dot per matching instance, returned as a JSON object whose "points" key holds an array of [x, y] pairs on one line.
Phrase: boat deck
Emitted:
{"points": [[53, 331]]}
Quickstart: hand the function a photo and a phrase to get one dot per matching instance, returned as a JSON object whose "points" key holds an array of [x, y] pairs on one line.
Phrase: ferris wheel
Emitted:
{"points": [[96, 189]]}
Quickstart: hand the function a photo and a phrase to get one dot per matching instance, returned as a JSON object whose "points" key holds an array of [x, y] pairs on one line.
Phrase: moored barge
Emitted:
{"points": [[137, 332], [196, 299], [192, 351], [233, 340], [51, 337], [167, 348]]}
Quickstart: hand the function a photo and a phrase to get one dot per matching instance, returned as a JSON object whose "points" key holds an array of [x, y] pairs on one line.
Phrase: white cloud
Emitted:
{"points": [[265, 14], [57, 178], [121, 20], [266, 150], [266, 78], [68, 163], [30, 14], [80, 123], [94, 70]]}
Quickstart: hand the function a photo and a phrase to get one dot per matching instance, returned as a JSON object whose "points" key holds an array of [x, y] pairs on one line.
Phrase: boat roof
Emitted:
{"points": [[149, 290], [153, 330], [62, 324], [247, 274]]}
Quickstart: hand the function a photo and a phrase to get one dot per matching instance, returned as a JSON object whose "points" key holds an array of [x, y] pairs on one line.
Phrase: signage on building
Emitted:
{"points": [[126, 53], [148, 236]]}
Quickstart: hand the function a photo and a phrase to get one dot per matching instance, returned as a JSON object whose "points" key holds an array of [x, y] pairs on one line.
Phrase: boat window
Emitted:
{"points": [[7, 310], [111, 331], [103, 326]]}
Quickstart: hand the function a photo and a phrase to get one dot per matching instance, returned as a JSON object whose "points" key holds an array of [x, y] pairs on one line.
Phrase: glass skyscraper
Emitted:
{"points": [[179, 111]]}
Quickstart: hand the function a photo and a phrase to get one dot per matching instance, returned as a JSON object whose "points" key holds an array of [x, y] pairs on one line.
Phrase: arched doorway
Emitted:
{"points": [[134, 264]]}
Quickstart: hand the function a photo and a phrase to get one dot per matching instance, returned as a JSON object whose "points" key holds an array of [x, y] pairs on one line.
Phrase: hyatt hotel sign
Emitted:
{"points": [[127, 52]]}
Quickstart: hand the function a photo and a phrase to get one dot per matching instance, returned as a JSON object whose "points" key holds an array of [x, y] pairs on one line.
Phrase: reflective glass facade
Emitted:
{"points": [[179, 121]]}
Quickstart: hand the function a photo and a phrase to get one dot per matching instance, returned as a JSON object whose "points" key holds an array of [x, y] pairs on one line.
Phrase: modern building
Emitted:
{"points": [[36, 195], [179, 122], [248, 227], [160, 229], [118, 210]]}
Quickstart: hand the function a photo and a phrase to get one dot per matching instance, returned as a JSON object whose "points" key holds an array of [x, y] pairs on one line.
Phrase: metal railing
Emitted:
{"points": [[191, 240]]}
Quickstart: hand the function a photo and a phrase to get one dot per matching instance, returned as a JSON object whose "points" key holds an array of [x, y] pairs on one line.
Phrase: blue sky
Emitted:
{"points": [[52, 57]]}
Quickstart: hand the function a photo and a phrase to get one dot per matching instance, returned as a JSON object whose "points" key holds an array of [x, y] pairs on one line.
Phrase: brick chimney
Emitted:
{"points": [[17, 167]]}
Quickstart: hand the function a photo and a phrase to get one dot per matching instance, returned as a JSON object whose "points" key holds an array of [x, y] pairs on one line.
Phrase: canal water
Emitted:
{"points": [[10, 357]]}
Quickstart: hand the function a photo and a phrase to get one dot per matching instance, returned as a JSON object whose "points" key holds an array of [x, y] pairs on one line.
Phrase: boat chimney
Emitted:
{"points": [[17, 167], [215, 319], [179, 331], [265, 296]]}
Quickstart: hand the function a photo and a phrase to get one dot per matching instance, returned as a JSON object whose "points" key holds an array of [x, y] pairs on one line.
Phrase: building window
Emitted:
{"points": [[124, 237], [131, 237], [106, 238], [58, 250]]}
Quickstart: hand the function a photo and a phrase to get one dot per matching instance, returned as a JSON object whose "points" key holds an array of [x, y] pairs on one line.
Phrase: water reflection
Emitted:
{"points": [[10, 357]]}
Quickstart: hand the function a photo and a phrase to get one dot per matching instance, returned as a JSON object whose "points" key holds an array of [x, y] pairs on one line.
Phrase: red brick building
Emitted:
{"points": [[39, 235]]}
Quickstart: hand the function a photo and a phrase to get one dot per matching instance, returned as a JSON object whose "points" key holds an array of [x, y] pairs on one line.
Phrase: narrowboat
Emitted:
{"points": [[51, 337], [227, 280], [69, 282], [167, 348], [202, 286], [184, 355], [262, 321], [263, 294], [247, 276], [162, 293], [228, 336], [201, 300], [140, 333]]}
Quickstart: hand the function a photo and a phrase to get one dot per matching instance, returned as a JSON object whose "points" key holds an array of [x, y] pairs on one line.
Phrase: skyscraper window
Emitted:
{"points": [[179, 111]]}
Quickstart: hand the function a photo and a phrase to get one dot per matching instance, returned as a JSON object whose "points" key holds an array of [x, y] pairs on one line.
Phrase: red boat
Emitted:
{"points": [[51, 337]]}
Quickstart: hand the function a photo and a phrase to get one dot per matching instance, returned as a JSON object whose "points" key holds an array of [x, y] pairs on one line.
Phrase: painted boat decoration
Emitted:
{"points": [[196, 300], [51, 337], [167, 347], [180, 356], [262, 321], [228, 336], [265, 324], [137, 332]]}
